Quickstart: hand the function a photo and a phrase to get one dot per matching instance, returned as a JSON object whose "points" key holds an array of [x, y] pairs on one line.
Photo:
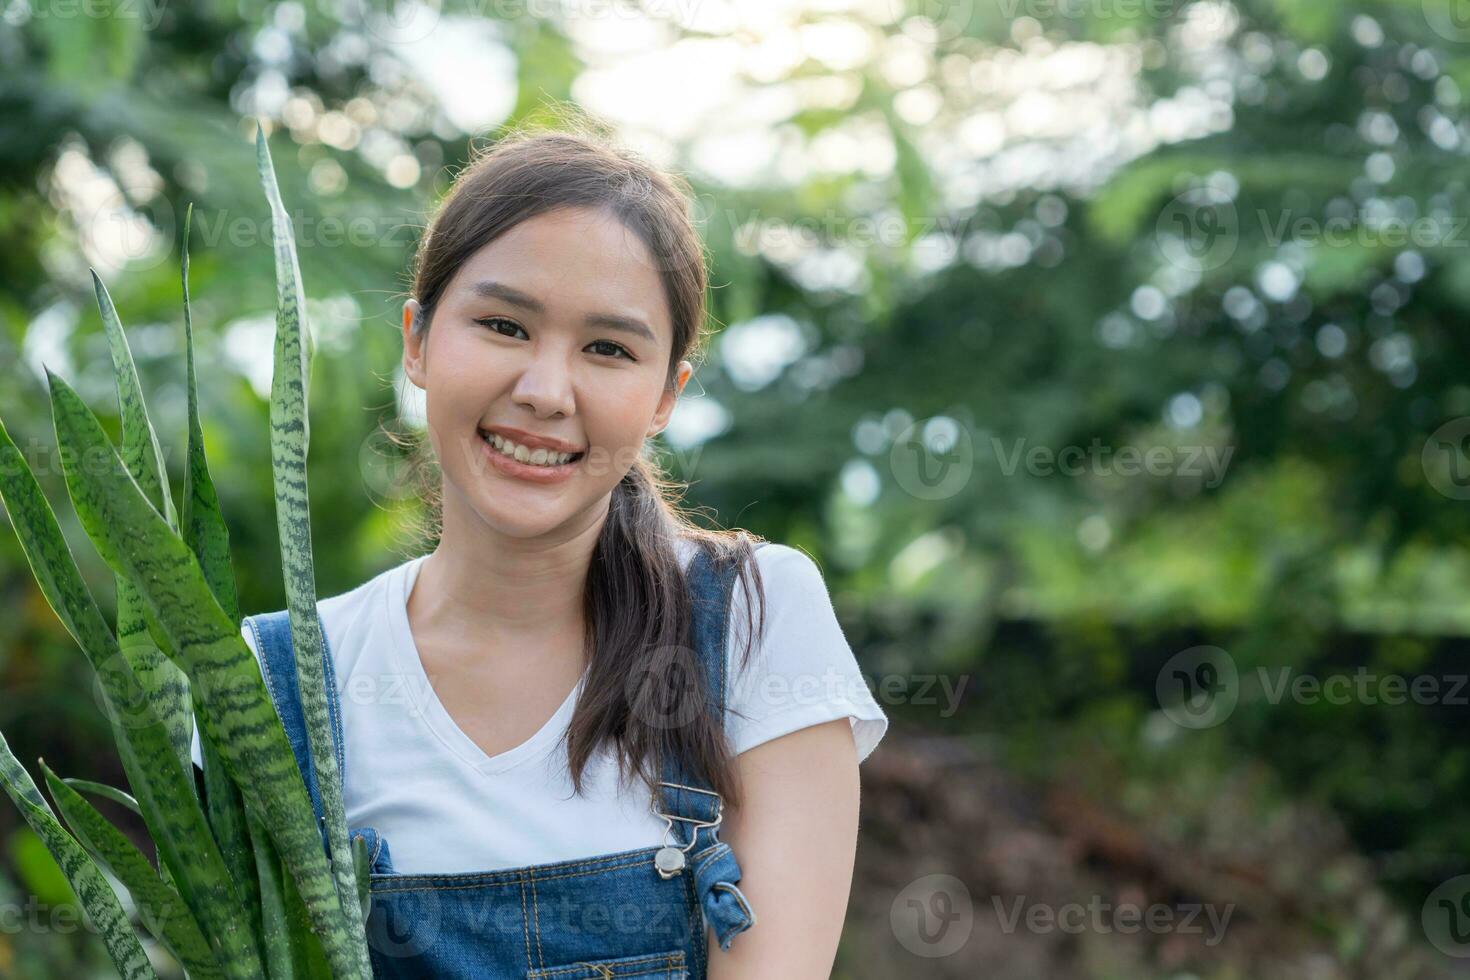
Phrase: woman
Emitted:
{"points": [[572, 630]]}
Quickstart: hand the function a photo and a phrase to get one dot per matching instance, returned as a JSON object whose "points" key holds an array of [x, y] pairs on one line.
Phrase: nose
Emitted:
{"points": [[545, 385]]}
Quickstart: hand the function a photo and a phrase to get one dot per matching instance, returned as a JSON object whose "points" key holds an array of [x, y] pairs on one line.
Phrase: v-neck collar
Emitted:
{"points": [[425, 703]]}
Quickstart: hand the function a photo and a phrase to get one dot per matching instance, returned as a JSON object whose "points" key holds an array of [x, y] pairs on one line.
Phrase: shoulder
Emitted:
{"points": [[346, 605], [346, 613], [777, 579], [776, 562], [793, 596], [801, 671], [789, 566], [789, 579]]}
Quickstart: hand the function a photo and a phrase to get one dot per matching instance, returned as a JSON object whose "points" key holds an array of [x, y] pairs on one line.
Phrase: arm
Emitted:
{"points": [[795, 838]]}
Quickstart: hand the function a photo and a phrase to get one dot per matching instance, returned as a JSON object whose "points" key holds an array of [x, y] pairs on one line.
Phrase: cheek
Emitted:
{"points": [[461, 375], [621, 413], [453, 402]]}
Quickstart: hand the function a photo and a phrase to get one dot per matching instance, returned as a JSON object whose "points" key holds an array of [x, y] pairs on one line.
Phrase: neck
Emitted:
{"points": [[483, 583]]}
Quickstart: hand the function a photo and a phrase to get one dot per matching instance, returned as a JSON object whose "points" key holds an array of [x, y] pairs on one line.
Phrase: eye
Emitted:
{"points": [[618, 350], [499, 323], [494, 322]]}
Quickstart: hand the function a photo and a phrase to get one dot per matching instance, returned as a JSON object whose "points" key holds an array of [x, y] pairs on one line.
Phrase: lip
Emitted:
{"points": [[530, 440], [512, 467]]}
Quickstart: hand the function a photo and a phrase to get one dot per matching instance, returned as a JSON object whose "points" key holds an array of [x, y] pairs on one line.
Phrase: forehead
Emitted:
{"points": [[575, 261]]}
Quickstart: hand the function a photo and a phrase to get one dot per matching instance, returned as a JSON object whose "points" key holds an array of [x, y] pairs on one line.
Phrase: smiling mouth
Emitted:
{"points": [[524, 454]]}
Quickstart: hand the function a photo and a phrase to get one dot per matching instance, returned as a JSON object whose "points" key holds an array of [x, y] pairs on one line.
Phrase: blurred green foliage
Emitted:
{"points": [[1231, 233]]}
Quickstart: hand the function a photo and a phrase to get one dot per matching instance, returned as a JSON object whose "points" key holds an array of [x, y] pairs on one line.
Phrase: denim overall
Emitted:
{"points": [[638, 913]]}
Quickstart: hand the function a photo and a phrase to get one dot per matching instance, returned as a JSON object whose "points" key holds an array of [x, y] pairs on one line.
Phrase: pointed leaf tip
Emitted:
{"points": [[58, 385]]}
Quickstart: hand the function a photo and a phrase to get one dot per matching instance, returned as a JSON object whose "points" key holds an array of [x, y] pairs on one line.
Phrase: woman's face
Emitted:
{"points": [[556, 336]]}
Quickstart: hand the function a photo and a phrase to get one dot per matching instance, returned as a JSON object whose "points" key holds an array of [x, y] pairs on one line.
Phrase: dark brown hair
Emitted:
{"points": [[645, 693]]}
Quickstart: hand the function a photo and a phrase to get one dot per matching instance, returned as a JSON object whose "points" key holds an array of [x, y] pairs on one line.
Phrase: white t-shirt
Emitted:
{"points": [[445, 806]]}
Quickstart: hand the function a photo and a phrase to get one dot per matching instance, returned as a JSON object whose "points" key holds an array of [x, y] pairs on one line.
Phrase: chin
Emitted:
{"points": [[522, 516]]}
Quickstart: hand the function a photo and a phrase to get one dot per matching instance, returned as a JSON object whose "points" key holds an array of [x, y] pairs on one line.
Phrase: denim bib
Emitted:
{"points": [[638, 913]]}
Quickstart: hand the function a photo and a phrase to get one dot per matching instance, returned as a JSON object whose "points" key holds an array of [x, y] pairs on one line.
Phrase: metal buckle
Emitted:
{"points": [[719, 805], [670, 859]]}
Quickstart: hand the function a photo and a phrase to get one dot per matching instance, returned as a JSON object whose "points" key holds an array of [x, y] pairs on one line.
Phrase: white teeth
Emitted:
{"points": [[536, 457]]}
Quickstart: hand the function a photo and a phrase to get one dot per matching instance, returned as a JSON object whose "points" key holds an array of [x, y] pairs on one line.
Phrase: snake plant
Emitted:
{"points": [[243, 887]]}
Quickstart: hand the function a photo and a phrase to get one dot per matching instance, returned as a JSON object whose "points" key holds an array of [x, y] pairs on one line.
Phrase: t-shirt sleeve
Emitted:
{"points": [[195, 749], [801, 671]]}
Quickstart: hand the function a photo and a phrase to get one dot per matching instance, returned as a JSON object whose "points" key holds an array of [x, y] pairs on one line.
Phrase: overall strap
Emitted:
{"points": [[684, 798], [272, 632]]}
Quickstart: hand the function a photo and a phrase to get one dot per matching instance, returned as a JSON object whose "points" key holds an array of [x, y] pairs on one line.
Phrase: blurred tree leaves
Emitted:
{"points": [[1036, 272]]}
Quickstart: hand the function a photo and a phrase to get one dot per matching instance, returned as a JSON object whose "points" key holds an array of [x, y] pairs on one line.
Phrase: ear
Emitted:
{"points": [[670, 398], [415, 345]]}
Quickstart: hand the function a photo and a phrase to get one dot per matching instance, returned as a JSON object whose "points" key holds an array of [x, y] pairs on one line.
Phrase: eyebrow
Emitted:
{"points": [[491, 289]]}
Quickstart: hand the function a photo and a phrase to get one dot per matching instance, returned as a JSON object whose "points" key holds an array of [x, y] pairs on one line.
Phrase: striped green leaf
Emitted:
{"points": [[161, 680], [281, 961], [93, 890], [163, 786], [363, 865], [237, 713], [290, 436], [205, 532], [160, 907], [104, 791], [307, 960]]}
